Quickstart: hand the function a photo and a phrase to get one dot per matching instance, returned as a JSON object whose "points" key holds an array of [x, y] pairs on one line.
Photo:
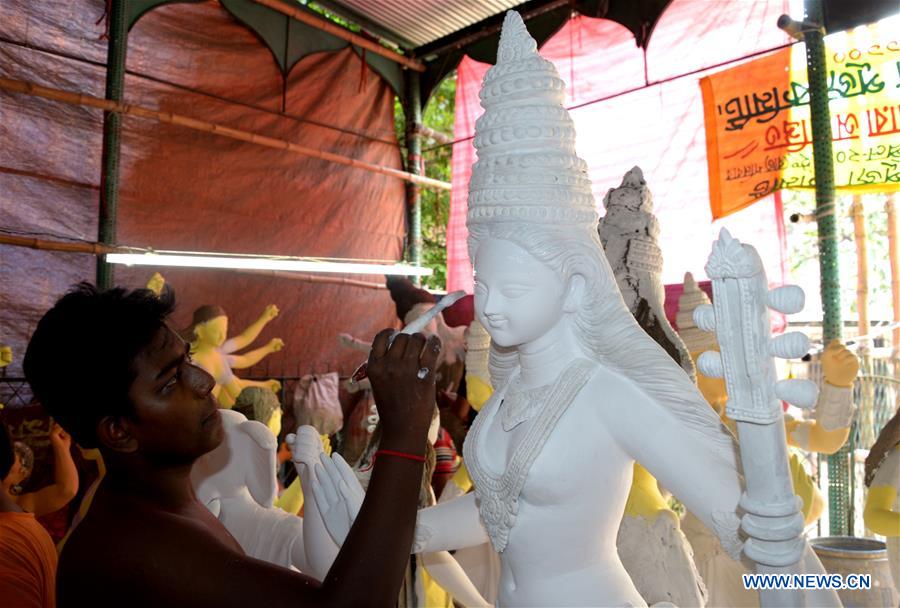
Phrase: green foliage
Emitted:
{"points": [[438, 115]]}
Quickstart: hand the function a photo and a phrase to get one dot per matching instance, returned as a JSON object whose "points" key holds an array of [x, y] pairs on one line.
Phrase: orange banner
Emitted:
{"points": [[757, 120]]}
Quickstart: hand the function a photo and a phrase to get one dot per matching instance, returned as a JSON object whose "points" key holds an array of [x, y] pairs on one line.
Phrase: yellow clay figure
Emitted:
{"points": [[156, 283], [645, 500], [882, 512], [214, 353], [5, 355]]}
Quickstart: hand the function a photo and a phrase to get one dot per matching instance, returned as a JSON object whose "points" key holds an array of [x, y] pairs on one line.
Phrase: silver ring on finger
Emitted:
{"points": [[423, 371]]}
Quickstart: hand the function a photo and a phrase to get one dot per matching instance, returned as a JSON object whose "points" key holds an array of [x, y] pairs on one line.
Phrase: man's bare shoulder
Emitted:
{"points": [[138, 549]]}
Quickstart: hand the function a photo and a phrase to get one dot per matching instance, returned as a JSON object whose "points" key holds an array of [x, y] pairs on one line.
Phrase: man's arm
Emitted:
{"points": [[178, 561], [65, 482]]}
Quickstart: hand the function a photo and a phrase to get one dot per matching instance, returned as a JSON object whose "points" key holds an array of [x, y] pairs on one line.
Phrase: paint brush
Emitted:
{"points": [[416, 326]]}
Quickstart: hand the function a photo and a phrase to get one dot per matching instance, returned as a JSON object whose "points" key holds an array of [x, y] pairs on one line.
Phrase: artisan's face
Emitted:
{"points": [[518, 299], [213, 332], [175, 419]]}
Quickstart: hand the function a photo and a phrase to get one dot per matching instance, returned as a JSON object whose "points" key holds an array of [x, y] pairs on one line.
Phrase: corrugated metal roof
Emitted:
{"points": [[418, 22]]}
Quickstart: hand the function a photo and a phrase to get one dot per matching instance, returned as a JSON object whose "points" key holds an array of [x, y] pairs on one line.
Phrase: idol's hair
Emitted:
{"points": [[605, 328]]}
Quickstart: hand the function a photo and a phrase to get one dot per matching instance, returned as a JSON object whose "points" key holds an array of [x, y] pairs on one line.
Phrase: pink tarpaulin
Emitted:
{"points": [[621, 121]]}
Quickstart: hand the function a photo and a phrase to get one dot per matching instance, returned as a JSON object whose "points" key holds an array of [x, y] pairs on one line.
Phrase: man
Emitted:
{"points": [[27, 554], [110, 369]]}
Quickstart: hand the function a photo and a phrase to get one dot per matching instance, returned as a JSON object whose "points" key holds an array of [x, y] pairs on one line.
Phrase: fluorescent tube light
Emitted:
{"points": [[185, 260]]}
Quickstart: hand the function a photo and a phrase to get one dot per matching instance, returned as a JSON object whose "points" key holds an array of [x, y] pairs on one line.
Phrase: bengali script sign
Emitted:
{"points": [[757, 118]]}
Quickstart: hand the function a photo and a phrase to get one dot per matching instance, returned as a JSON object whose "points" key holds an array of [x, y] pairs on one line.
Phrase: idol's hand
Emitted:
{"points": [[305, 446], [839, 365], [338, 496]]}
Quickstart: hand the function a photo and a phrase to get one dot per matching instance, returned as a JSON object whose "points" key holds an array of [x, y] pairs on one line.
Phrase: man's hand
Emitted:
{"points": [[274, 385], [275, 345], [402, 374], [839, 365]]}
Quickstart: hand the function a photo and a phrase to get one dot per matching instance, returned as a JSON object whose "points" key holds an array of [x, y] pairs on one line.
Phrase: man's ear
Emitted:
{"points": [[113, 433], [575, 292]]}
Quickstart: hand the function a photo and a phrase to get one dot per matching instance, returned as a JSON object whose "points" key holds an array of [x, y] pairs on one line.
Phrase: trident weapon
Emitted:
{"points": [[740, 318]]}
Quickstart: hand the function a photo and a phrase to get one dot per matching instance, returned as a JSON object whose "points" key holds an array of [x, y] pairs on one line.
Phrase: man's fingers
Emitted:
{"points": [[399, 345], [430, 353], [380, 345], [414, 347]]}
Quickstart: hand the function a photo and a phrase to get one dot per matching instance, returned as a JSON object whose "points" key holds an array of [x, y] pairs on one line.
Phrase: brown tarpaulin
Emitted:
{"points": [[187, 190]]}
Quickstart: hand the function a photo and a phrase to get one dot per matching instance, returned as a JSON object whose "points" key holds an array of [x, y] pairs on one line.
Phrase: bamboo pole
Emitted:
{"points": [[102, 249], [862, 270], [865, 418], [891, 211], [342, 33], [45, 245], [30, 88]]}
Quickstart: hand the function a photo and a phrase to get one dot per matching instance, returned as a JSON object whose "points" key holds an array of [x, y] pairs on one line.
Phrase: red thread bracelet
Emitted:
{"points": [[398, 455]]}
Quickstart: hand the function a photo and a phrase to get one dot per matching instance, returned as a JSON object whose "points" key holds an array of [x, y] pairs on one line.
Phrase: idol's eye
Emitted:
{"points": [[513, 292]]}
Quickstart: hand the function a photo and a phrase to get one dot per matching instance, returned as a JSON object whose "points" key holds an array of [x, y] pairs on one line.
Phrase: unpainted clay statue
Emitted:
{"points": [[236, 482], [629, 233], [329, 519], [212, 351], [581, 391], [652, 547]]}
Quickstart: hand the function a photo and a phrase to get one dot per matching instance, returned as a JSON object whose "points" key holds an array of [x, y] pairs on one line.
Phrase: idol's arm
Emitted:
{"points": [[447, 573], [455, 524], [705, 480]]}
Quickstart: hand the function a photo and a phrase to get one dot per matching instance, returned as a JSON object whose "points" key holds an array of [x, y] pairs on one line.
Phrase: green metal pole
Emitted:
{"points": [[826, 220], [413, 111], [112, 129]]}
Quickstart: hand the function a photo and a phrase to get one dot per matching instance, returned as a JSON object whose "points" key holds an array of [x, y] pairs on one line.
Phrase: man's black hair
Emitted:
{"points": [[79, 359], [7, 454]]}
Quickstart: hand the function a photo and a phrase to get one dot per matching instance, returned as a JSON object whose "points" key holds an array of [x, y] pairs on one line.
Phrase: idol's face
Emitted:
{"points": [[213, 332], [518, 299]]}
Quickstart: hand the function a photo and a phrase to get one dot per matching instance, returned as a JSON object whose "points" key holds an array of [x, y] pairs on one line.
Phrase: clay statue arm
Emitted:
{"points": [[65, 484], [448, 526], [683, 461], [811, 436], [246, 338], [827, 432], [253, 357], [447, 573], [879, 515]]}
